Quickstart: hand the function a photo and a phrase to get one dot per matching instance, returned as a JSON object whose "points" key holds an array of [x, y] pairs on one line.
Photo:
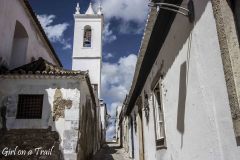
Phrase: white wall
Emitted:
{"points": [[88, 58], [198, 122], [103, 116], [92, 65], [103, 119], [11, 88], [19, 50], [96, 25], [135, 133], [10, 12], [149, 134]]}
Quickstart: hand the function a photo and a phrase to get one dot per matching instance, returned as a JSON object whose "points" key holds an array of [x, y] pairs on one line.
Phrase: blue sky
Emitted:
{"points": [[124, 26]]}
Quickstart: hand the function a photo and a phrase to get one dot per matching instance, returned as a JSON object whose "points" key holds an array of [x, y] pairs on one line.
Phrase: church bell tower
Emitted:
{"points": [[87, 43]]}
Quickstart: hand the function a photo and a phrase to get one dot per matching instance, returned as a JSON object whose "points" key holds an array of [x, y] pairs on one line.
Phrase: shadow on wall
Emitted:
{"points": [[235, 4], [182, 100], [181, 37]]}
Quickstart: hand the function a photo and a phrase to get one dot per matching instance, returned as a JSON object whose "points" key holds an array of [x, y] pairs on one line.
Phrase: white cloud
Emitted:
{"points": [[107, 56], [108, 35], [117, 78], [116, 82], [111, 132], [127, 10], [66, 44], [54, 32], [128, 27]]}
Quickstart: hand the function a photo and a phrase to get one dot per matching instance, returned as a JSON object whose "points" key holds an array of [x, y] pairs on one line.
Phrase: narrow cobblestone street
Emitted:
{"points": [[111, 151]]}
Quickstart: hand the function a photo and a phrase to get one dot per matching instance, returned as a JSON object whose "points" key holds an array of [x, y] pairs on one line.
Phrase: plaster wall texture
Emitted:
{"points": [[103, 114], [78, 123], [64, 126], [92, 65], [198, 123], [148, 133], [125, 134], [18, 51], [129, 140], [11, 89], [118, 111], [135, 134], [10, 12]]}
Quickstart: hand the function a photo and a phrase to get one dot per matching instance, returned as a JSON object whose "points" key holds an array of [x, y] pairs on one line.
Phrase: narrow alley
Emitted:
{"points": [[111, 151]]}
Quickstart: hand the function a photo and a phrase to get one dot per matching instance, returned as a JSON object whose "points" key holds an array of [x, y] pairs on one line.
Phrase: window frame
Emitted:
{"points": [[160, 141], [20, 115], [85, 29]]}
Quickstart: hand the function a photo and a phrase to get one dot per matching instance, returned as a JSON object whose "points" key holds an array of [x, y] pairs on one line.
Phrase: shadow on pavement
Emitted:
{"points": [[106, 152]]}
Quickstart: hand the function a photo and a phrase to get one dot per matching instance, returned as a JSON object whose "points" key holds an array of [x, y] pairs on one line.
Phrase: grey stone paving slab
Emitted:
{"points": [[111, 151]]}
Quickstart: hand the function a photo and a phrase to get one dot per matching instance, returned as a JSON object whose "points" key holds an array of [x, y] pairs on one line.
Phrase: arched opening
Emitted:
{"points": [[19, 46], [87, 36]]}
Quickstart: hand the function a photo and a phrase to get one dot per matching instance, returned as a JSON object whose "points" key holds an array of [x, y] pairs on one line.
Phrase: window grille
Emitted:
{"points": [[30, 106]]}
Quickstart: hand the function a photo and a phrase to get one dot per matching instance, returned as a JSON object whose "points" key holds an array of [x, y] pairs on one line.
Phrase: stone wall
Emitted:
{"points": [[36, 140], [229, 45]]}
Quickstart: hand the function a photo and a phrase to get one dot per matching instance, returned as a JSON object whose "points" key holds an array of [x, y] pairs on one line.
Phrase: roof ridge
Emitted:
{"points": [[42, 66]]}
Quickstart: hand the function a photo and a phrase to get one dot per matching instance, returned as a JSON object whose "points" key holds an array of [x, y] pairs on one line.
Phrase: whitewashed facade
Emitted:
{"points": [[118, 133], [185, 107], [22, 37], [87, 44], [104, 119], [39, 97]]}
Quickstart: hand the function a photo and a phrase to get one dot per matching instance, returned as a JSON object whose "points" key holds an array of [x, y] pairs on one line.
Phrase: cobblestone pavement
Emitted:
{"points": [[111, 151]]}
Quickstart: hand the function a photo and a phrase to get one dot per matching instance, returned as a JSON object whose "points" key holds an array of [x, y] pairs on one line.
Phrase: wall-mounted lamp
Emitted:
{"points": [[188, 12]]}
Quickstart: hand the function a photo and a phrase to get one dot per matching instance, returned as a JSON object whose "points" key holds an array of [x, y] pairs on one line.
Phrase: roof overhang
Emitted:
{"points": [[156, 31]]}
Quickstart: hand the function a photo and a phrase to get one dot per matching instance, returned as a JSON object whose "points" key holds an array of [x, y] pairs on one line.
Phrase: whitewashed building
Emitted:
{"points": [[40, 95], [22, 37], [104, 121], [42, 104], [118, 133], [87, 43], [184, 100]]}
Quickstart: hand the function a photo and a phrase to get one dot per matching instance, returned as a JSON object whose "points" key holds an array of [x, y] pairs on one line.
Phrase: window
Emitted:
{"points": [[29, 106], [87, 37], [159, 117]]}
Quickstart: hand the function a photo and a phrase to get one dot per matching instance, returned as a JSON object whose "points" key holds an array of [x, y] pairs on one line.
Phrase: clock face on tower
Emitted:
{"points": [[87, 36]]}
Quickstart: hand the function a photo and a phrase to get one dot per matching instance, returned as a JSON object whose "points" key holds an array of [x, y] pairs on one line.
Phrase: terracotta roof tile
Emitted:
{"points": [[41, 67]]}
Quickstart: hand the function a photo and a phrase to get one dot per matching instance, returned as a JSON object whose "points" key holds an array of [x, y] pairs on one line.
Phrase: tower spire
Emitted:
{"points": [[99, 8], [90, 9], [77, 9]]}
